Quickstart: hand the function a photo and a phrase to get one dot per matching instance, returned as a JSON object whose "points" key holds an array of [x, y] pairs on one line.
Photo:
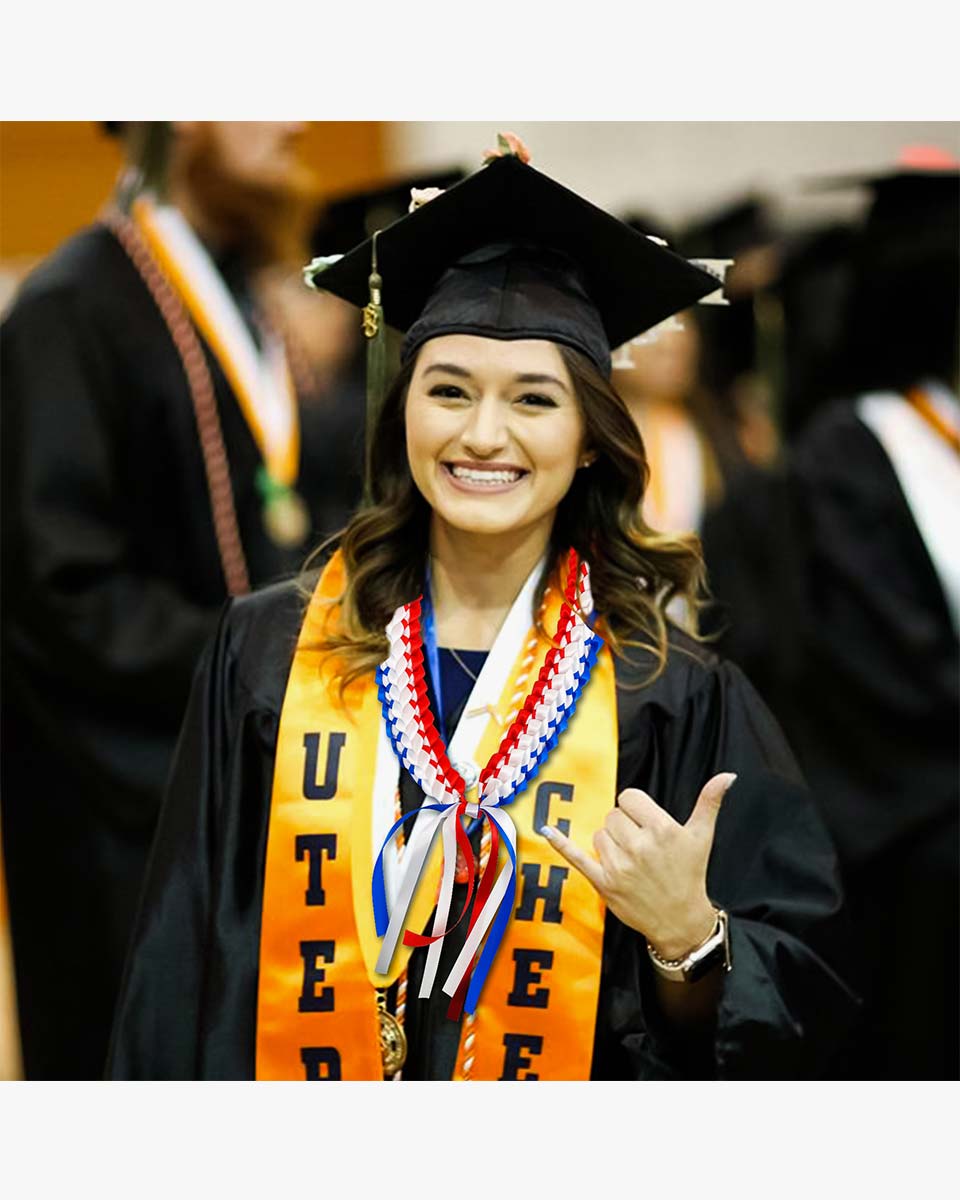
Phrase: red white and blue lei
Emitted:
{"points": [[413, 733]]}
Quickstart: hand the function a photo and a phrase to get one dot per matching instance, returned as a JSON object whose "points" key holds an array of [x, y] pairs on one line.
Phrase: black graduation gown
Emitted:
{"points": [[111, 586], [188, 1003], [836, 611]]}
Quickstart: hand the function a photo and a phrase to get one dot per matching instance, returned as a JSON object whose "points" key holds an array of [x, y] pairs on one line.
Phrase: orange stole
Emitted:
{"points": [[283, 464], [317, 1011]]}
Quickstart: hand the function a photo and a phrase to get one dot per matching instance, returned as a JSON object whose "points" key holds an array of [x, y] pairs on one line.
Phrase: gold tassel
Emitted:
{"points": [[375, 332]]}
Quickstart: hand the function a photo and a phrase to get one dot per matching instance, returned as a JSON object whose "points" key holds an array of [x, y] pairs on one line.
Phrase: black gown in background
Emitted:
{"points": [[188, 1003], [111, 586], [836, 612]]}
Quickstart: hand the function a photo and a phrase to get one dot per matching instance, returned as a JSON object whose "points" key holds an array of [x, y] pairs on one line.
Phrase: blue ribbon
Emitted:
{"points": [[428, 631]]}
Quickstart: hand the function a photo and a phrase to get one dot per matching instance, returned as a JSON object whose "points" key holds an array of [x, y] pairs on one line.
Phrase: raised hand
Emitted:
{"points": [[652, 871]]}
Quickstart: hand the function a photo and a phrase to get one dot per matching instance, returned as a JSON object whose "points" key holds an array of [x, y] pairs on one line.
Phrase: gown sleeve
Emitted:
{"points": [[187, 1002], [786, 1004]]}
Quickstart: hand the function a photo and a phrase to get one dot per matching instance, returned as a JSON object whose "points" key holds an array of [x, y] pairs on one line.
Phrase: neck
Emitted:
{"points": [[213, 233], [475, 579]]}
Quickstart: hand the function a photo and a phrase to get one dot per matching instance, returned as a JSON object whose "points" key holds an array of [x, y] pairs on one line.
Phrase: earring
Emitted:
{"points": [[587, 461]]}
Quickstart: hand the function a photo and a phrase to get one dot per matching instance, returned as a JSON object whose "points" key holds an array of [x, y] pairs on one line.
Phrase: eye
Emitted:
{"points": [[448, 391], [536, 400]]}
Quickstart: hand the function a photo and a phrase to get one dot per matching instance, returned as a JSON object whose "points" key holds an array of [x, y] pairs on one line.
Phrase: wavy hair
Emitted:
{"points": [[635, 572]]}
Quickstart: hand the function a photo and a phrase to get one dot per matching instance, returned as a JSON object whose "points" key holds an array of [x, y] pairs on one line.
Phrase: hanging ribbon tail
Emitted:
{"points": [[486, 884], [380, 915], [455, 1007], [390, 927], [505, 886], [432, 964], [453, 836], [497, 932]]}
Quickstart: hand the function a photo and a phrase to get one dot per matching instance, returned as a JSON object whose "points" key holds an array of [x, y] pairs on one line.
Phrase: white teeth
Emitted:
{"points": [[485, 477]]}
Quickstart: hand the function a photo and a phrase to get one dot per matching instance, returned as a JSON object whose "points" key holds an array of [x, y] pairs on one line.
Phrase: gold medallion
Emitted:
{"points": [[286, 518], [393, 1041]]}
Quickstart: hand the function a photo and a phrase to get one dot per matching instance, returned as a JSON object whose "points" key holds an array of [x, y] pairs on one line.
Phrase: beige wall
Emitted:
{"points": [[679, 169]]}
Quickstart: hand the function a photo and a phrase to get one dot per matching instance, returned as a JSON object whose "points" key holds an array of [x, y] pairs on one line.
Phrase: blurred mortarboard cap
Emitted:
{"points": [[901, 312], [914, 164], [728, 230], [923, 185], [740, 234], [349, 219], [510, 253]]}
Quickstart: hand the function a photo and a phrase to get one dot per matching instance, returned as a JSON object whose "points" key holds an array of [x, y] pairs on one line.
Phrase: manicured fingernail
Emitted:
{"points": [[547, 832], [731, 780]]}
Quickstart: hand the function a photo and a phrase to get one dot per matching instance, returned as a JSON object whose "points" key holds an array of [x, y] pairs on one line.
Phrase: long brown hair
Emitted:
{"points": [[634, 571]]}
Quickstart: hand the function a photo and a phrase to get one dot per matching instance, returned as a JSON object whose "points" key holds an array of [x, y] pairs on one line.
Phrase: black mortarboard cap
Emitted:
{"points": [[509, 253]]}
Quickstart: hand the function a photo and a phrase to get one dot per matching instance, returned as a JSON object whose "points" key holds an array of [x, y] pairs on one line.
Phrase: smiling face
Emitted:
{"points": [[494, 432]]}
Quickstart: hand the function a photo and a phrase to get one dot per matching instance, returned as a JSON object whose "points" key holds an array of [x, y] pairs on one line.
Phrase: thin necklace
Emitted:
{"points": [[460, 661]]}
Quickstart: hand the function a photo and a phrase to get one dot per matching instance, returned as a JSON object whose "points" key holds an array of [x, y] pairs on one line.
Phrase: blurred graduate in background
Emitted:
{"points": [[692, 386], [155, 461], [841, 581]]}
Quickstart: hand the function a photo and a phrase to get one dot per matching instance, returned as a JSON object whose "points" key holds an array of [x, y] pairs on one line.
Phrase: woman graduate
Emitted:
{"points": [[465, 816]]}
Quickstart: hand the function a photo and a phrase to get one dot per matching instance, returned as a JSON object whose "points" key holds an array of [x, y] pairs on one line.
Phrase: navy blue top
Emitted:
{"points": [[456, 684]]}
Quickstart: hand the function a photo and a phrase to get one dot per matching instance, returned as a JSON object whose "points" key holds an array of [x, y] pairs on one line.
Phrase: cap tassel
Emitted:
{"points": [[374, 331]]}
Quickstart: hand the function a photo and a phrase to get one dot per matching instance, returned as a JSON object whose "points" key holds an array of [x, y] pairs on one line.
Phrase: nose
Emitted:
{"points": [[485, 433]]}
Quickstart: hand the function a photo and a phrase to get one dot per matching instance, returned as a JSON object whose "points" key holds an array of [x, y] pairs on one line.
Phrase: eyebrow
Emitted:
{"points": [[527, 377]]}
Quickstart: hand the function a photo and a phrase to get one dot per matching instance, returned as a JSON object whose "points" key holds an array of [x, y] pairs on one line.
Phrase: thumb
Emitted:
{"points": [[703, 819]]}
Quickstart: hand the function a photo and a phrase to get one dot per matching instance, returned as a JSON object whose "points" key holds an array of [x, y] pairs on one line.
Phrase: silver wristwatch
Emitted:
{"points": [[701, 959]]}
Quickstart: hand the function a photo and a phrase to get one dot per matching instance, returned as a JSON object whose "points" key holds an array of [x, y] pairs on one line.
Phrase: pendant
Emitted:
{"points": [[286, 518], [462, 874], [393, 1041], [469, 772]]}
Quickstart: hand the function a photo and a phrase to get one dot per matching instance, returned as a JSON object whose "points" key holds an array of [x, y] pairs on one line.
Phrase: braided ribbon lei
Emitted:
{"points": [[526, 744]]}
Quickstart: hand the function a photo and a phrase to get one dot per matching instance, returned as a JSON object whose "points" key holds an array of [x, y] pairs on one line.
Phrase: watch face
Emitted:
{"points": [[715, 956]]}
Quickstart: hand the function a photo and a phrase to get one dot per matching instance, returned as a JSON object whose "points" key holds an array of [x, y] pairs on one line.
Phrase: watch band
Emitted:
{"points": [[701, 959]]}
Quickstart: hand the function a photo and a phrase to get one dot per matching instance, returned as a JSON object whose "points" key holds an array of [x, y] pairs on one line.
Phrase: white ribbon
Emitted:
{"points": [[488, 912], [263, 373]]}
